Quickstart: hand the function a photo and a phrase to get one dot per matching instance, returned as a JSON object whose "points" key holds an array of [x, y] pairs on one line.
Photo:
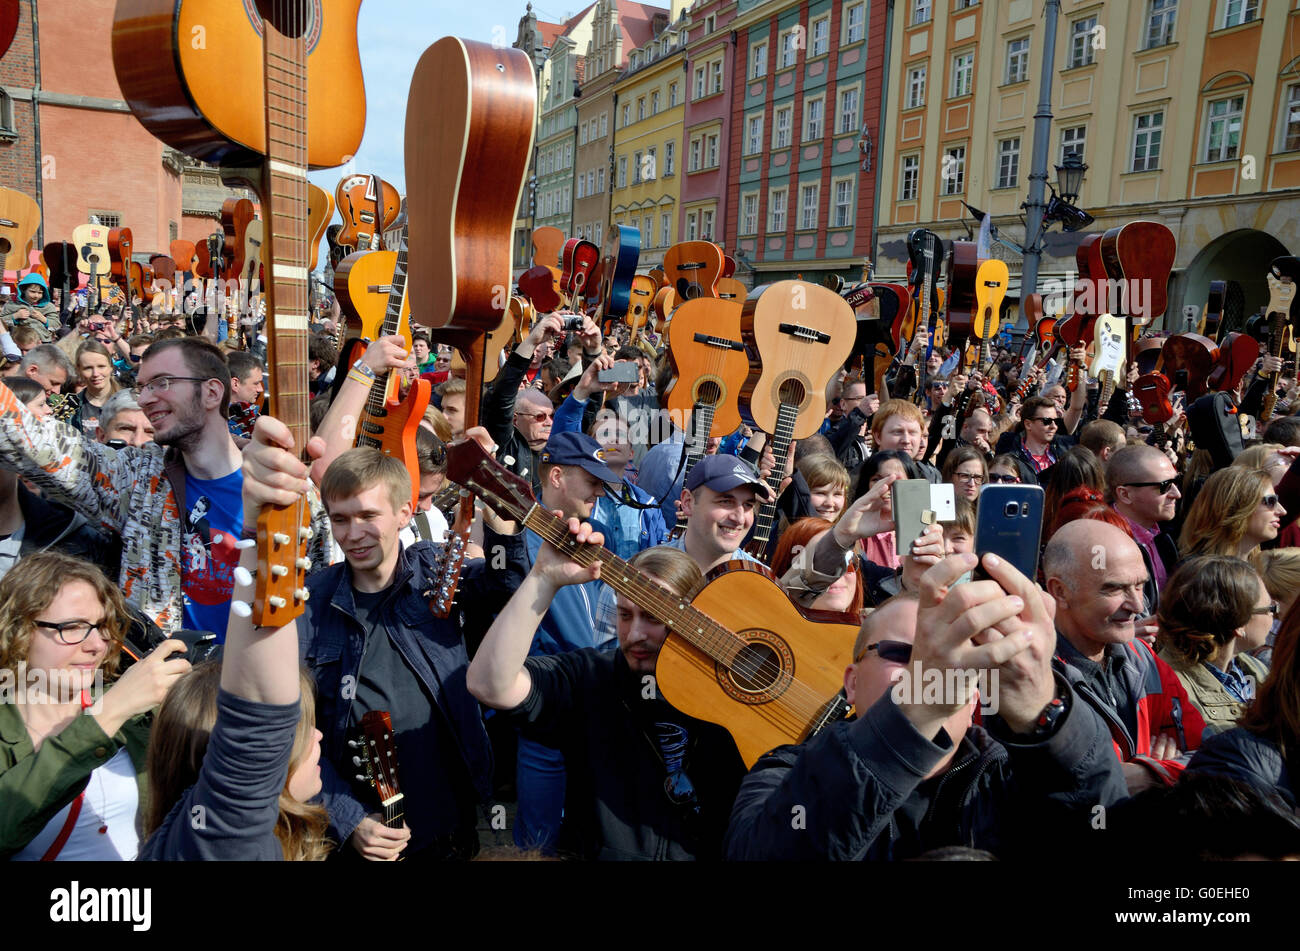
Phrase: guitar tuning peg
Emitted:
{"points": [[245, 543], [241, 608], [279, 571], [280, 538], [356, 761], [303, 563], [243, 576], [353, 743], [301, 594], [277, 602], [361, 779], [306, 534]]}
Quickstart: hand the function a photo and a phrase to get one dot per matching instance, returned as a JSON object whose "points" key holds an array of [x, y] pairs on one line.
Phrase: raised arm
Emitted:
{"points": [[339, 427]]}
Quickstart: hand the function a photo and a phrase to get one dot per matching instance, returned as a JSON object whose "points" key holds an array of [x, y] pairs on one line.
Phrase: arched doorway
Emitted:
{"points": [[1242, 256]]}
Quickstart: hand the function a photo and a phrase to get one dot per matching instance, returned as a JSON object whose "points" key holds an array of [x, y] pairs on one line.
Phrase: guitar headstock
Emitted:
{"points": [[282, 564], [469, 464], [378, 755], [451, 557]]}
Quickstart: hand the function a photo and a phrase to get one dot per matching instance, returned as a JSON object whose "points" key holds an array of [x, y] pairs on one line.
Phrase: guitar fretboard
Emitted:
{"points": [[786, 417], [392, 324]]}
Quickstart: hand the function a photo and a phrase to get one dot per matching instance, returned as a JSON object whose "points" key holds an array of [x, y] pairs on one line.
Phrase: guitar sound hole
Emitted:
{"points": [[756, 668], [709, 393], [792, 392], [688, 291]]}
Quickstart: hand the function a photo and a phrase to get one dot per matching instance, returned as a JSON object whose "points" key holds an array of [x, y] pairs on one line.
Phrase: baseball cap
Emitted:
{"points": [[722, 473], [578, 449]]}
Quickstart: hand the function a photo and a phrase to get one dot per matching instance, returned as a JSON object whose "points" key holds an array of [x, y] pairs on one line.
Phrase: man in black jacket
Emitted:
{"points": [[1039, 442], [911, 774]]}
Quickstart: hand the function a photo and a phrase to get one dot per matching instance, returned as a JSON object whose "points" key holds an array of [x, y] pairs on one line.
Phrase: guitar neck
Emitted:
{"points": [[786, 417], [697, 440], [379, 390], [1107, 391]]}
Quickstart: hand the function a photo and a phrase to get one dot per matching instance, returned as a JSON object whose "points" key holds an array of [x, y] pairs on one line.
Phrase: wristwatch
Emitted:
{"points": [[1045, 723]]}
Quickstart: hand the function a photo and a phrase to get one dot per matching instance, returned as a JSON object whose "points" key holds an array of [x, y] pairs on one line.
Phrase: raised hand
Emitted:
{"points": [[557, 569], [869, 515]]}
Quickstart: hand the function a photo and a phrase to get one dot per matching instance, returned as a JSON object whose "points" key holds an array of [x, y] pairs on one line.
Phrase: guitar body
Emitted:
{"points": [[204, 98], [622, 251], [320, 209], [20, 217], [368, 205], [548, 246], [729, 288], [1237, 354], [185, 254], [1187, 360], [1152, 390], [60, 259], [362, 283], [119, 258], [664, 304], [962, 299], [693, 268], [91, 242], [990, 289], [506, 335], [393, 433], [641, 297], [760, 712], [470, 119], [541, 285], [1141, 254], [236, 213], [707, 353], [1146, 353], [207, 256], [1110, 352], [802, 334]]}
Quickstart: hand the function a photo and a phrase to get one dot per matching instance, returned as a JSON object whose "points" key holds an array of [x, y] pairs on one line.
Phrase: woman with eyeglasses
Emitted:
{"points": [[72, 753], [967, 469], [1234, 513], [1213, 611]]}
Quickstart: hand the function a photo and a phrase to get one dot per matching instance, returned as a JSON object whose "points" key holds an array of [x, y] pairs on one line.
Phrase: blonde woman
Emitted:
{"points": [[1235, 511], [95, 377]]}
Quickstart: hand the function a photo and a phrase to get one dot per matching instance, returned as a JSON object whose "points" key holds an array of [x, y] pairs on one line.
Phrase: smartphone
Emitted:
{"points": [[1009, 524], [918, 504], [624, 371]]}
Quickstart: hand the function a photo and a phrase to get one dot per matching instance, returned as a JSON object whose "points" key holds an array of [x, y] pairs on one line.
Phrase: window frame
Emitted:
{"points": [[772, 193], [956, 185], [748, 216], [758, 60], [915, 90], [1157, 129], [788, 112], [1208, 132], [848, 27], [1022, 56], [909, 176], [1168, 15], [963, 65], [819, 101], [1088, 57], [1004, 180], [848, 205], [821, 21], [854, 89]]}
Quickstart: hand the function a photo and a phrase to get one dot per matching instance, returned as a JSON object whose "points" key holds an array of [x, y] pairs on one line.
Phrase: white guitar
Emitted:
{"points": [[1110, 352]]}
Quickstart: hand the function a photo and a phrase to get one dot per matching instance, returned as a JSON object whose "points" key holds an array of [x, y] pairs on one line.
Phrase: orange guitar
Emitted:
{"points": [[236, 214], [368, 206], [693, 268], [640, 300]]}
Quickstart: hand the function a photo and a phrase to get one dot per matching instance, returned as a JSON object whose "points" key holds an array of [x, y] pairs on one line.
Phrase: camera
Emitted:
{"points": [[572, 323]]}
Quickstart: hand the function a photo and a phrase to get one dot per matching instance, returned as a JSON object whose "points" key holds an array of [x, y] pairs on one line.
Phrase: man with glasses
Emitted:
{"points": [[911, 774], [176, 503], [1142, 485], [1069, 406], [1041, 443], [1097, 576]]}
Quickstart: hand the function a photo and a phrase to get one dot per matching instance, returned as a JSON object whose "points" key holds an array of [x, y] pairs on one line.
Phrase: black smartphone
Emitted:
{"points": [[1009, 524], [624, 371]]}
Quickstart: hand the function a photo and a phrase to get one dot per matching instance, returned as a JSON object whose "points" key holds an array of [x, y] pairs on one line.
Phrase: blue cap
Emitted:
{"points": [[722, 473], [578, 449]]}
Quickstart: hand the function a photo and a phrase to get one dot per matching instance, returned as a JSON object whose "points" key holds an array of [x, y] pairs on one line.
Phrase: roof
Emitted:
{"points": [[549, 32], [636, 21], [574, 21]]}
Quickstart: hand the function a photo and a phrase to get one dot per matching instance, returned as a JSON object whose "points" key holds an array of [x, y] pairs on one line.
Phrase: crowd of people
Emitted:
{"points": [[1150, 668]]}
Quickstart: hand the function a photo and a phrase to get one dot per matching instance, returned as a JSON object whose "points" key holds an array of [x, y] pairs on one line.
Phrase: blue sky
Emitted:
{"points": [[392, 34]]}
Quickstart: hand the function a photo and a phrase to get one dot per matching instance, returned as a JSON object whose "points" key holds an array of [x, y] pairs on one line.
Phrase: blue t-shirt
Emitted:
{"points": [[208, 554]]}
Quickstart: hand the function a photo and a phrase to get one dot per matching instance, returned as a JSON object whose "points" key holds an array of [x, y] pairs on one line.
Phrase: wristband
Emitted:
{"points": [[361, 367], [361, 378]]}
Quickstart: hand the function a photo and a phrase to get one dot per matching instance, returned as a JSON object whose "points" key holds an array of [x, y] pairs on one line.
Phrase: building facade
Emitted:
{"points": [[706, 136], [1187, 113]]}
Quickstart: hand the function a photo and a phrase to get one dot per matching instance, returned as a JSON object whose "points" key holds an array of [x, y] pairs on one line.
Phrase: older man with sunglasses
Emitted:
{"points": [[911, 774], [1142, 485]]}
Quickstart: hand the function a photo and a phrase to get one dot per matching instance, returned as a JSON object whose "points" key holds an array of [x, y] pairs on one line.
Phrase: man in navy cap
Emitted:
{"points": [[573, 473], [718, 502]]}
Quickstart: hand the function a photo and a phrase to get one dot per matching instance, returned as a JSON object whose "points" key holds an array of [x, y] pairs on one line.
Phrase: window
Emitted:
{"points": [[654, 103], [844, 203], [954, 170], [172, 231], [1081, 39], [672, 95], [7, 113], [855, 20], [1148, 129], [596, 233], [920, 11], [749, 214], [711, 151], [1160, 23], [715, 84], [812, 119], [916, 86], [647, 232], [758, 61], [848, 112], [708, 24], [692, 226], [964, 4], [582, 182], [627, 114], [1017, 60], [776, 209], [821, 35], [582, 134], [963, 69], [665, 224], [600, 180], [604, 125], [651, 163], [622, 171], [781, 128], [670, 153], [706, 225], [909, 178], [1073, 140], [637, 165], [788, 50], [1223, 129], [699, 82], [107, 219], [568, 155], [754, 135], [1239, 11], [809, 195], [1008, 163], [640, 109], [591, 182], [1291, 119], [697, 154]]}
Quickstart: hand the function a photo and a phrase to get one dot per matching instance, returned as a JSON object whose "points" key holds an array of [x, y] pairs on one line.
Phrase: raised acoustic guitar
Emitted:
{"points": [[20, 217], [739, 653], [693, 268]]}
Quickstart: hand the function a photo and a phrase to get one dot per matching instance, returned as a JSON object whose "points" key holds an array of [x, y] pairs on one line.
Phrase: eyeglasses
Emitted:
{"points": [[1270, 608], [1269, 501], [970, 478], [1163, 487], [164, 383], [73, 633], [535, 417], [1045, 420], [896, 652], [1001, 477]]}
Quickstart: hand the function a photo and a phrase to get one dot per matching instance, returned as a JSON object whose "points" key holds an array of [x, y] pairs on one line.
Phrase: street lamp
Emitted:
{"points": [[1069, 177]]}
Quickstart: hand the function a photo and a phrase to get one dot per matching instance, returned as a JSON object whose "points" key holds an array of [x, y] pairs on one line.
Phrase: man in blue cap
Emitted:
{"points": [[718, 502], [573, 474]]}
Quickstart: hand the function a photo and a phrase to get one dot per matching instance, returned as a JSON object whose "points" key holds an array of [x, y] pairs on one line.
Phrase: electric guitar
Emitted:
{"points": [[236, 213], [367, 206], [739, 654], [1110, 338], [1282, 277], [923, 252]]}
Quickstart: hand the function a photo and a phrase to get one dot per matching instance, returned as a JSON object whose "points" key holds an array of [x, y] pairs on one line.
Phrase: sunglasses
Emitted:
{"points": [[1163, 487], [536, 417], [1045, 420], [1000, 477], [896, 652], [1270, 608], [1269, 501]]}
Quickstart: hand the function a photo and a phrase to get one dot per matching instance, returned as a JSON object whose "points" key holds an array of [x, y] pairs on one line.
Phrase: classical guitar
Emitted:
{"points": [[541, 285], [580, 258], [664, 304], [20, 217], [798, 336], [990, 288], [1237, 353], [368, 205], [548, 246], [377, 756], [209, 255], [502, 339], [641, 296], [729, 288], [1186, 360], [1110, 339], [728, 264], [706, 351], [739, 654], [119, 263], [320, 209], [693, 268], [1140, 255]]}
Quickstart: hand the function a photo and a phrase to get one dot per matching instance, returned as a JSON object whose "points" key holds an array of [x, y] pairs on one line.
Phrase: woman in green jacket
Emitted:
{"points": [[1213, 610], [72, 754]]}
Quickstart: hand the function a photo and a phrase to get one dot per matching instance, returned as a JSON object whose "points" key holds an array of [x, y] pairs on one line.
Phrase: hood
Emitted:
{"points": [[34, 278]]}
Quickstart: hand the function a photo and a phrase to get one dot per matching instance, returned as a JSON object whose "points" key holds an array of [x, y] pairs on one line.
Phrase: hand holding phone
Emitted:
{"points": [[624, 371]]}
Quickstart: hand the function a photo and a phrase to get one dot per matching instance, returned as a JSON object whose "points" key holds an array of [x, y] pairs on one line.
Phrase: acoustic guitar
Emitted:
{"points": [[541, 285], [236, 213], [739, 654], [377, 756], [20, 218], [1213, 313], [961, 302], [580, 259], [1140, 255], [60, 259], [1186, 360], [798, 335], [729, 288], [990, 288], [548, 246], [119, 263], [1237, 353], [320, 209], [693, 268], [923, 249], [368, 206]]}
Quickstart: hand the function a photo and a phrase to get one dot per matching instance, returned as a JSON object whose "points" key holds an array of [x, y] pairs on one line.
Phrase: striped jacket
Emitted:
{"points": [[135, 493]]}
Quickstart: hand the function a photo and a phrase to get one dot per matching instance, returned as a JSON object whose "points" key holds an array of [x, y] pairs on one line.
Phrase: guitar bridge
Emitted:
{"points": [[723, 342], [805, 333]]}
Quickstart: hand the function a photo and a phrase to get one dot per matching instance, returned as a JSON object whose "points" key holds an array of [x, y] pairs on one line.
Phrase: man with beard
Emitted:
{"points": [[177, 570]]}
